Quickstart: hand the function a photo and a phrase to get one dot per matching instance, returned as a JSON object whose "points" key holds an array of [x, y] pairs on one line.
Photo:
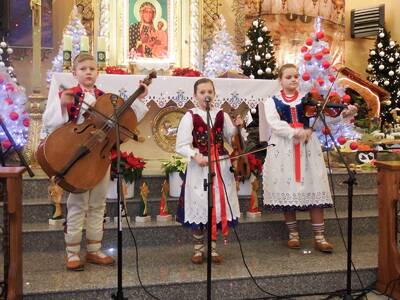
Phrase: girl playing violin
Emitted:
{"points": [[294, 175], [191, 143]]}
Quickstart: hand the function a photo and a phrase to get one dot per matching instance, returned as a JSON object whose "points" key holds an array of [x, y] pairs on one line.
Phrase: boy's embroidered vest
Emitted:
{"points": [[200, 135]]}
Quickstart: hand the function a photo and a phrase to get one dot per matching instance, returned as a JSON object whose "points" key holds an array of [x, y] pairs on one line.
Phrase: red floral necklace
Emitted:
{"points": [[289, 98]]}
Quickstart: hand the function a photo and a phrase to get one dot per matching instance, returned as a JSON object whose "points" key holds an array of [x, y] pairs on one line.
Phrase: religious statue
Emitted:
{"points": [[55, 193]]}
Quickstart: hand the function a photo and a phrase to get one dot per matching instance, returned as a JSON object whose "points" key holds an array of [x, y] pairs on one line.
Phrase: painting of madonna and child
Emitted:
{"points": [[148, 32]]}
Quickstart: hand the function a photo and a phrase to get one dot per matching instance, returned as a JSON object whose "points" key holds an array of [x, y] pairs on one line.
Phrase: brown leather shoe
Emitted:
{"points": [[197, 259], [74, 264], [216, 259], [99, 258], [324, 246], [293, 244]]}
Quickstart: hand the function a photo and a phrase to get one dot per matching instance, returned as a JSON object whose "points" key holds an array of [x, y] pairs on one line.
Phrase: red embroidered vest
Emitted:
{"points": [[200, 134]]}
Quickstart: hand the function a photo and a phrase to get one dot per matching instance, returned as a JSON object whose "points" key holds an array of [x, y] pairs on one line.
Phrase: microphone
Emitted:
{"points": [[207, 98]]}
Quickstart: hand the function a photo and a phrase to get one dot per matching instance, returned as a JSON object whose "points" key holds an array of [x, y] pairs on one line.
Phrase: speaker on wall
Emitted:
{"points": [[4, 16], [366, 22]]}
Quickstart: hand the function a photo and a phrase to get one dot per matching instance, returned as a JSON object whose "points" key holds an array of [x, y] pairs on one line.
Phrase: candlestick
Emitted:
{"points": [[84, 45], [67, 51], [101, 51]]}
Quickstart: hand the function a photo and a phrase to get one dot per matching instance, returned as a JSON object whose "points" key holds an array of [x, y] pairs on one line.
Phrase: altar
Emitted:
{"points": [[168, 99]]}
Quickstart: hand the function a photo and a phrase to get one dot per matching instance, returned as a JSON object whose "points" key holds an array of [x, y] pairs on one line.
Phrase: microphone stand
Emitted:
{"points": [[120, 195], [351, 181], [209, 186]]}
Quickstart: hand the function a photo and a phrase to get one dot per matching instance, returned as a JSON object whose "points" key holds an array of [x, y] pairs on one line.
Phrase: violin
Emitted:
{"points": [[313, 101], [240, 164], [77, 155]]}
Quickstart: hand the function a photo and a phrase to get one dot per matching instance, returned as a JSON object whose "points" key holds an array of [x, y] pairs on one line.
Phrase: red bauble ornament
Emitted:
{"points": [[353, 145], [331, 78], [326, 51], [326, 64], [303, 49], [13, 116], [341, 140], [307, 56], [346, 98], [306, 76], [326, 130], [6, 144], [26, 122], [9, 100], [333, 94], [320, 35], [319, 55], [309, 41], [10, 87], [320, 81]]}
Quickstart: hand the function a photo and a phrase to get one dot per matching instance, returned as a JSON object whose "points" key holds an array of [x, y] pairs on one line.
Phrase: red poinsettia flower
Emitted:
{"points": [[131, 166]]}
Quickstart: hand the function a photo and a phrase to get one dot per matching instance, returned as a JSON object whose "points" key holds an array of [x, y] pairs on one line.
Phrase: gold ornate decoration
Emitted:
{"points": [[85, 10], [210, 10], [165, 127], [238, 7]]}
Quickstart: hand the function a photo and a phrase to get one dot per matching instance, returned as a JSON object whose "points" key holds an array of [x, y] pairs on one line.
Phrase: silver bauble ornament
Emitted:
{"points": [[247, 42], [391, 73], [381, 67], [380, 45], [392, 43], [382, 34], [268, 70], [257, 57], [369, 67], [391, 59], [376, 82], [3, 44], [259, 72], [382, 53], [248, 63], [10, 51], [260, 39], [255, 23], [10, 68], [372, 52], [386, 82], [267, 56], [265, 29], [396, 54], [251, 76]]}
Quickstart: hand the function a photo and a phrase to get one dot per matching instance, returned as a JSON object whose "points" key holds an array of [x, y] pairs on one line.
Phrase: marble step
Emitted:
{"points": [[36, 188], [38, 210], [166, 271], [43, 237]]}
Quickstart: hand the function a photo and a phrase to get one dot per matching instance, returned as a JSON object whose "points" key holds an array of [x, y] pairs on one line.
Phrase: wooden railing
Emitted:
{"points": [[11, 196], [389, 243]]}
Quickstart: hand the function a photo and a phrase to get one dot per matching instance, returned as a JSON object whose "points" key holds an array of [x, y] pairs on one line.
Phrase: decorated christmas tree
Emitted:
{"points": [[76, 30], [222, 57], [258, 58], [318, 77], [5, 59], [384, 69], [12, 111]]}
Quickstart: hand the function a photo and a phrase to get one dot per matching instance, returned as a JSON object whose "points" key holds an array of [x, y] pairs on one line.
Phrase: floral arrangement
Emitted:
{"points": [[131, 166], [254, 164], [187, 72], [175, 164], [115, 70]]}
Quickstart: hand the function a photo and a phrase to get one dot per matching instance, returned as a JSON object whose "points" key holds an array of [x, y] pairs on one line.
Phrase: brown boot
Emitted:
{"points": [[215, 257], [198, 247], [294, 240], [197, 258], [73, 262], [99, 258], [323, 245]]}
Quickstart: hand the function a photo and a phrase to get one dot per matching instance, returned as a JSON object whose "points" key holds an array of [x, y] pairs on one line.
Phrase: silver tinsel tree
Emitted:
{"points": [[76, 30], [222, 57], [5, 52]]}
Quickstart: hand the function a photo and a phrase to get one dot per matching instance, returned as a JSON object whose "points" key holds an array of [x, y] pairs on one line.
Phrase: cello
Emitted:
{"points": [[77, 155]]}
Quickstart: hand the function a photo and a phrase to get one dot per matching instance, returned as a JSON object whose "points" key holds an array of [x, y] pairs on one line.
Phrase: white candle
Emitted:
{"points": [[101, 44], [84, 44], [67, 43]]}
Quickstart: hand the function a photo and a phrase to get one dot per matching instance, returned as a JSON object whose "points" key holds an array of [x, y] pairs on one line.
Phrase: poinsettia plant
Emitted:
{"points": [[187, 72], [254, 164], [131, 166], [175, 164]]}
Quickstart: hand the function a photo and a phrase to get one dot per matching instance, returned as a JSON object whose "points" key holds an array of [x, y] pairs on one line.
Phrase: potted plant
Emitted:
{"points": [[131, 169], [255, 166], [174, 170]]}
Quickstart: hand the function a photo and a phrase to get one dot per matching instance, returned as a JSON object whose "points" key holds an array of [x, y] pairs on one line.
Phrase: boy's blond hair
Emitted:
{"points": [[285, 67], [81, 58]]}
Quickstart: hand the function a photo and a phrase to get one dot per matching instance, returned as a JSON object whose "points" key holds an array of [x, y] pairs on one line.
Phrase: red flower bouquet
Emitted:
{"points": [[187, 72], [115, 70], [131, 166]]}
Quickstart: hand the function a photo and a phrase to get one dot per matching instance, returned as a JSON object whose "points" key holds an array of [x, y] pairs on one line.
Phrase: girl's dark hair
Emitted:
{"points": [[285, 67], [201, 81]]}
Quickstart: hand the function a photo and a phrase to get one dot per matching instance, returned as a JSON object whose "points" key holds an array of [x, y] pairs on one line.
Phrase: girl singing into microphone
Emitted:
{"points": [[192, 142], [294, 174]]}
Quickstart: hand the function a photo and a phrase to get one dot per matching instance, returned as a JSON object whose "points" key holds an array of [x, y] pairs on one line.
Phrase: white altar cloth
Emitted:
{"points": [[176, 89]]}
